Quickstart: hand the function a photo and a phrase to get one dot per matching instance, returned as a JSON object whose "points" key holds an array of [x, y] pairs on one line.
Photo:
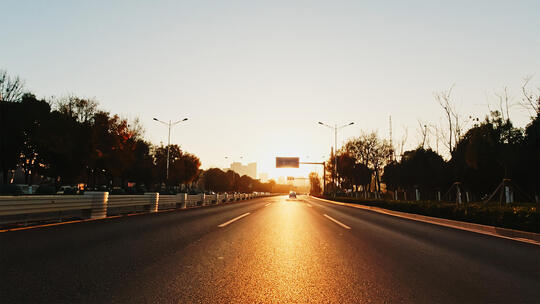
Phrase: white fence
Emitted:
{"points": [[94, 205]]}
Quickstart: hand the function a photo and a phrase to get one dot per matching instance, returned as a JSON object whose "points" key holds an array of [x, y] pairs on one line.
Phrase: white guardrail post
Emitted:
{"points": [[181, 200], [153, 198], [99, 204]]}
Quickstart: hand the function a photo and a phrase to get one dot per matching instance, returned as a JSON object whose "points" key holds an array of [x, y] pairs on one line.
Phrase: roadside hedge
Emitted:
{"points": [[513, 216]]}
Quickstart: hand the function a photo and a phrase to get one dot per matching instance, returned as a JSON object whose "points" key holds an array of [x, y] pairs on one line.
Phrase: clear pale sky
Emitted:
{"points": [[254, 77]]}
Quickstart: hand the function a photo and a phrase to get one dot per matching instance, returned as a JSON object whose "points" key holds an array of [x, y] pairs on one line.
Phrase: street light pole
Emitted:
{"points": [[169, 126], [335, 128]]}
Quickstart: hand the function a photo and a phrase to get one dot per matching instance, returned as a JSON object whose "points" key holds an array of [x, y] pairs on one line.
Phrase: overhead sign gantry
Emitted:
{"points": [[294, 162]]}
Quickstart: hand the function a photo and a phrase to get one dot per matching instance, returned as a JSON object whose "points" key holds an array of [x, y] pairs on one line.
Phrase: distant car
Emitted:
{"points": [[292, 194], [68, 190]]}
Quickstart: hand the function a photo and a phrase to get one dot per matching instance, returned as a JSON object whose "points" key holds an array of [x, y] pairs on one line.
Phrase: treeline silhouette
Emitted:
{"points": [[217, 180], [70, 141], [489, 152]]}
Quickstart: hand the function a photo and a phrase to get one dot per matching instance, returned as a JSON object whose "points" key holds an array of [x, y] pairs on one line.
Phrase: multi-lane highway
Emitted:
{"points": [[269, 250]]}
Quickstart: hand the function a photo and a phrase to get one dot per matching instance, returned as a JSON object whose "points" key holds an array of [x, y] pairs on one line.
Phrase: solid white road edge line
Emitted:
{"points": [[308, 205], [233, 220], [268, 204], [336, 221], [436, 221]]}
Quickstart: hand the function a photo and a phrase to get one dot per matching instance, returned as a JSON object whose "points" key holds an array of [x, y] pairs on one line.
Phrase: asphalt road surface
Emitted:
{"points": [[268, 250]]}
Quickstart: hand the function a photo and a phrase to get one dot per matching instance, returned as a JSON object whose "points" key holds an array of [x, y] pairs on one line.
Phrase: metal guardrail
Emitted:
{"points": [[94, 205]]}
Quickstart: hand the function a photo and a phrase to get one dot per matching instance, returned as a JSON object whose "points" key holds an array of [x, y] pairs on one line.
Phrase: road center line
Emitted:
{"points": [[336, 221], [233, 220], [268, 204]]}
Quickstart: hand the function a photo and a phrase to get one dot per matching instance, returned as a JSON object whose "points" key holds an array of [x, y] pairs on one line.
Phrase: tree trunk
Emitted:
{"points": [[377, 180]]}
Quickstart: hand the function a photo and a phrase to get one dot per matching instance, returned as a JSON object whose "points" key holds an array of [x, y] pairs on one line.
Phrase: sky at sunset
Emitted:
{"points": [[255, 77]]}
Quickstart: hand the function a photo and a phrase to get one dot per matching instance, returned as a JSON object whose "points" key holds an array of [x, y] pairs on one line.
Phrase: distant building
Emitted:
{"points": [[252, 170], [249, 169], [263, 177]]}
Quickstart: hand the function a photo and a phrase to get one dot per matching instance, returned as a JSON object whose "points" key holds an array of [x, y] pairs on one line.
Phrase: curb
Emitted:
{"points": [[511, 234]]}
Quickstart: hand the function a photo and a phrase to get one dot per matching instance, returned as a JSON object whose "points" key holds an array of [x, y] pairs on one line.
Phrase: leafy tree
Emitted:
{"points": [[66, 148], [392, 176], [371, 151], [245, 184], [113, 142], [216, 180], [270, 186], [142, 171], [315, 184], [11, 128], [234, 179], [529, 170], [486, 154], [36, 113], [11, 136], [361, 176], [186, 168], [418, 168], [345, 169], [183, 167]]}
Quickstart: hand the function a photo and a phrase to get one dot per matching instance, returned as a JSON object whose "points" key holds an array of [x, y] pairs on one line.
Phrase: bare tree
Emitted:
{"points": [[531, 100], [11, 89], [454, 120], [82, 109], [459, 126], [504, 99], [435, 130], [424, 132], [403, 141], [444, 98], [136, 128]]}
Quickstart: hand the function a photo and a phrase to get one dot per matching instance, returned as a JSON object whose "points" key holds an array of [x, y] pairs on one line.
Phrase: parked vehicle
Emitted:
{"points": [[69, 190]]}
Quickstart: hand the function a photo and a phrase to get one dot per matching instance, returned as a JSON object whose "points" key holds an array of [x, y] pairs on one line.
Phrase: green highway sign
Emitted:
{"points": [[287, 162]]}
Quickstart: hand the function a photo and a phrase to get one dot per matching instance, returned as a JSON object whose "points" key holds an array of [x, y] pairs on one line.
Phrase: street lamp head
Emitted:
{"points": [[155, 119], [352, 123], [184, 119], [321, 123]]}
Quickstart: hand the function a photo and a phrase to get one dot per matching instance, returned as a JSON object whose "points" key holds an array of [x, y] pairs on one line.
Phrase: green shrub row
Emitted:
{"points": [[519, 217]]}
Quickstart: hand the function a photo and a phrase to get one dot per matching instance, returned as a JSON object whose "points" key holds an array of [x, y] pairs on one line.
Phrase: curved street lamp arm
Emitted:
{"points": [[177, 122], [326, 125], [160, 121], [352, 123]]}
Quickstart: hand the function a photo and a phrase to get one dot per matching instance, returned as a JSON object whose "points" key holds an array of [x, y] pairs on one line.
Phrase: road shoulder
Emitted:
{"points": [[511, 234]]}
